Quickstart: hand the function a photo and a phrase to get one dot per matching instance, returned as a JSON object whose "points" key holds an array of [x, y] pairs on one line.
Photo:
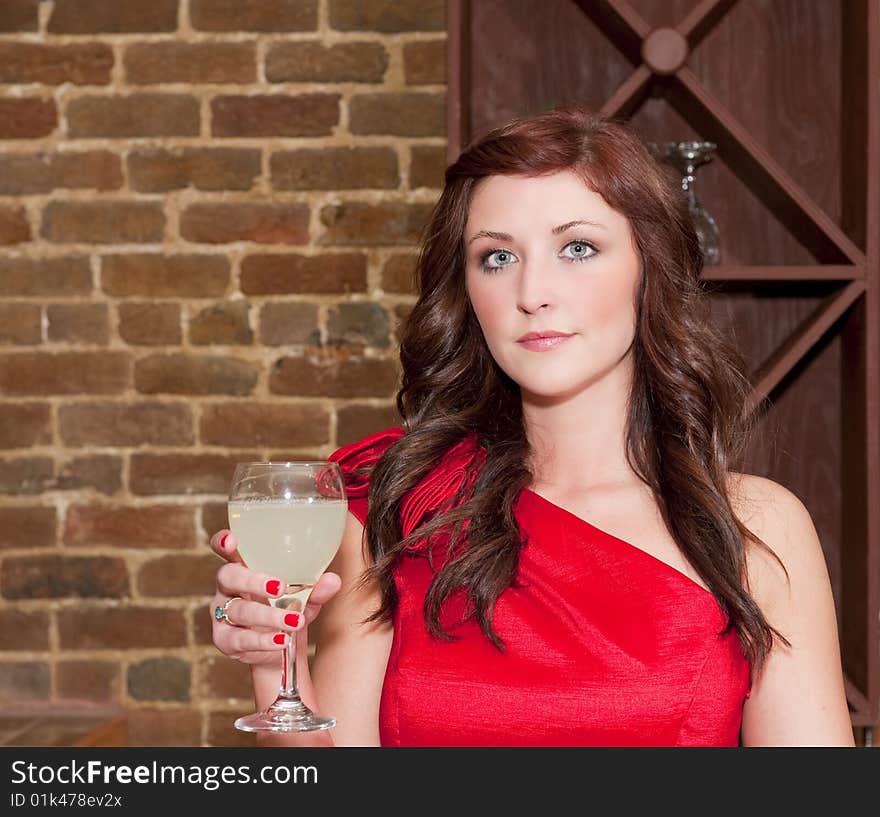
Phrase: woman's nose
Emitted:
{"points": [[532, 293]]}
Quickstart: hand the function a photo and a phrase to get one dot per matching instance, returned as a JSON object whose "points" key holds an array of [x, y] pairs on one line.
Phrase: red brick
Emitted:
{"points": [[94, 626], [14, 227], [223, 323], [399, 274], [133, 115], [264, 424], [165, 276], [275, 115], [223, 677], [356, 421], [89, 680], [380, 15], [179, 575], [149, 324], [404, 113], [160, 679], [27, 118], [55, 577], [401, 315], [103, 222], [20, 680], [261, 223], [305, 61], [112, 17], [214, 517], [164, 727], [176, 474], [254, 15], [24, 174], [424, 62], [24, 629], [427, 167], [355, 377], [39, 277], [158, 170], [288, 274], [222, 732], [102, 472], [203, 625], [144, 526], [21, 324], [64, 372], [126, 424], [361, 324], [25, 424], [79, 323], [387, 223], [282, 324], [19, 15], [81, 64], [26, 475], [27, 526], [335, 168], [191, 374], [192, 63]]}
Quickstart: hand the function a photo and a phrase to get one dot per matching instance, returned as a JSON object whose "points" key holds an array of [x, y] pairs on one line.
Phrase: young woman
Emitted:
{"points": [[552, 549]]}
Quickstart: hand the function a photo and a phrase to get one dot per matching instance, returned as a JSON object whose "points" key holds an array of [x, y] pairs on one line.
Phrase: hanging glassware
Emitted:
{"points": [[686, 157]]}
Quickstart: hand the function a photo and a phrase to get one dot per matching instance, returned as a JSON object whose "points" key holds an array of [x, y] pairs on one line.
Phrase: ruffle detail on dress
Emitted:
{"points": [[458, 469], [363, 454]]}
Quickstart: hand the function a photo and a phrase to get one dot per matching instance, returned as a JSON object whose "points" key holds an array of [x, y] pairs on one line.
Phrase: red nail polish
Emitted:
{"points": [[279, 638], [223, 540], [273, 587], [292, 619]]}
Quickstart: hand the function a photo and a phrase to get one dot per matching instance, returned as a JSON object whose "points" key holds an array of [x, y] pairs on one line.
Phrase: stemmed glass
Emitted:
{"points": [[686, 157], [288, 518]]}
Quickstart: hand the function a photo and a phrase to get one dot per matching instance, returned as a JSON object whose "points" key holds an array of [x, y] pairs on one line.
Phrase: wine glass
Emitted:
{"points": [[288, 518], [686, 157]]}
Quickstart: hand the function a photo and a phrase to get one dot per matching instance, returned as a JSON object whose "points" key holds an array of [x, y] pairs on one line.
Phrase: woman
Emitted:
{"points": [[555, 550]]}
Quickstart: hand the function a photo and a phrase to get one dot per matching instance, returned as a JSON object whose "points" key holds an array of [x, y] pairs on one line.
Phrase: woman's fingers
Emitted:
{"points": [[325, 589], [224, 544], [236, 641], [243, 613], [248, 628], [234, 579]]}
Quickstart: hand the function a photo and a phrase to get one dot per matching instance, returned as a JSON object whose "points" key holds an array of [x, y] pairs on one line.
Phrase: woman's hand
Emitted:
{"points": [[254, 632]]}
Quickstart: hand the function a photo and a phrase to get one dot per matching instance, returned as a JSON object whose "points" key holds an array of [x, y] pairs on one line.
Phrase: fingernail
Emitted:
{"points": [[279, 638], [292, 619], [273, 587], [223, 540]]}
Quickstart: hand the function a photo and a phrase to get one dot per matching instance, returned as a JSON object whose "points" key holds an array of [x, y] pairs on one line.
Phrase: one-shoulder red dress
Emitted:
{"points": [[605, 645]]}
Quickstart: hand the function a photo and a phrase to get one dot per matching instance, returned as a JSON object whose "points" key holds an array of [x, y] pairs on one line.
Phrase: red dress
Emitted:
{"points": [[605, 645]]}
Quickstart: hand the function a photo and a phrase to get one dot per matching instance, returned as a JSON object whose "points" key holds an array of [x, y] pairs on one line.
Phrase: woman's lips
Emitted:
{"points": [[543, 344]]}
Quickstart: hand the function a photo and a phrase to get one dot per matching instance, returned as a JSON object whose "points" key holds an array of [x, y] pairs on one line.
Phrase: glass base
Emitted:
{"points": [[284, 716]]}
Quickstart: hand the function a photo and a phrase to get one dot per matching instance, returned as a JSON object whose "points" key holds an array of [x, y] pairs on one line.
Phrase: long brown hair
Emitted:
{"points": [[687, 419]]}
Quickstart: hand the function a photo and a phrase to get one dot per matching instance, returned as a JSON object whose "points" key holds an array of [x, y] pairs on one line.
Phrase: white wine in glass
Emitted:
{"points": [[288, 519]]}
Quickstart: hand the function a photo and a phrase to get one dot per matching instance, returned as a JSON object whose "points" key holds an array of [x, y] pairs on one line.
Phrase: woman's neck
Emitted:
{"points": [[579, 440]]}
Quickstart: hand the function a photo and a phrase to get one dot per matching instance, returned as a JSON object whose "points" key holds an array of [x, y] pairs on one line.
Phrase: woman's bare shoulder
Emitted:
{"points": [[798, 603], [778, 517]]}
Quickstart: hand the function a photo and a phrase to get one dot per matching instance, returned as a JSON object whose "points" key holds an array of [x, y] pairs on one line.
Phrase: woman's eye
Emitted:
{"points": [[581, 250], [502, 259]]}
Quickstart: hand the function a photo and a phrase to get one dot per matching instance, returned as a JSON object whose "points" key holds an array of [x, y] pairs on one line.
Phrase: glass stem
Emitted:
{"points": [[288, 689]]}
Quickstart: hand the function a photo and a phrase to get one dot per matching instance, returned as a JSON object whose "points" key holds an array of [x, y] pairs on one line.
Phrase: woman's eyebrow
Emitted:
{"points": [[556, 230]]}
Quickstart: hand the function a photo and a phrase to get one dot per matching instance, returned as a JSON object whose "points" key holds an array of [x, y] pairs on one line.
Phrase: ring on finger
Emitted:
{"points": [[222, 613]]}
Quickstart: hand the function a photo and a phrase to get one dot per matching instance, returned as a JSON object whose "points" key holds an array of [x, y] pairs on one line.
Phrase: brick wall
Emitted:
{"points": [[208, 217]]}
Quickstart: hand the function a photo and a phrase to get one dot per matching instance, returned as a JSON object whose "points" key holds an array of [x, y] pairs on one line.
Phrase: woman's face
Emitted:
{"points": [[557, 259]]}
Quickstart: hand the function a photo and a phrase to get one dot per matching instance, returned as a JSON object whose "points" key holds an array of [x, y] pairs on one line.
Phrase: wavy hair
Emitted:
{"points": [[687, 419]]}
